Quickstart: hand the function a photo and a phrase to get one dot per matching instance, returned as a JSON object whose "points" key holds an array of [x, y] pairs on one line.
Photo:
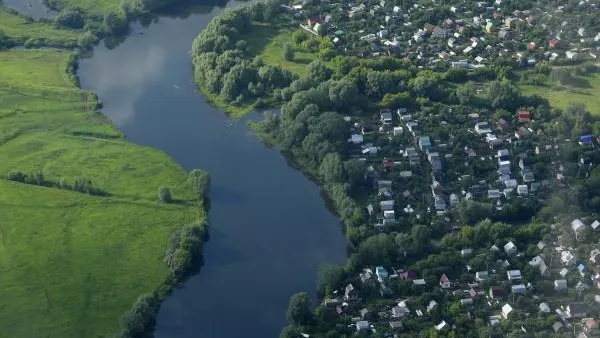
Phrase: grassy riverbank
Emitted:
{"points": [[72, 263], [20, 29]]}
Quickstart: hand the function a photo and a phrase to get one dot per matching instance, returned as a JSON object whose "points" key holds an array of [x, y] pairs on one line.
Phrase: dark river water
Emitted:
{"points": [[270, 229], [34, 8]]}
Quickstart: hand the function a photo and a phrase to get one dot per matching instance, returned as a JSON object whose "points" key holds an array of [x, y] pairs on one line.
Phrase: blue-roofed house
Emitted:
{"points": [[424, 143], [585, 140], [381, 273]]}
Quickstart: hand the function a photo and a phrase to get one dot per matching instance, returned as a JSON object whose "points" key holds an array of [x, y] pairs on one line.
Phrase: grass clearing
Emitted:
{"points": [[20, 28], [90, 6], [561, 98], [268, 41], [71, 263]]}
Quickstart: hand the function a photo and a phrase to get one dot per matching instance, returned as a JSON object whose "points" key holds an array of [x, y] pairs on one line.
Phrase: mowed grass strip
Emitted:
{"points": [[590, 96], [72, 264], [19, 28]]}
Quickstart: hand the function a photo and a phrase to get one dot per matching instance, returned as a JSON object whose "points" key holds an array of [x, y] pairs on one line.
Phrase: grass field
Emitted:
{"points": [[267, 41], [590, 96], [19, 28], [90, 6], [72, 263]]}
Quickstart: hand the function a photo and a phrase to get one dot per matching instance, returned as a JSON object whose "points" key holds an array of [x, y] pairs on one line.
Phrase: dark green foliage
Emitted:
{"points": [[288, 52], [185, 249], [115, 23], [164, 194], [81, 184], [330, 278], [299, 311], [200, 180], [71, 19], [138, 322]]}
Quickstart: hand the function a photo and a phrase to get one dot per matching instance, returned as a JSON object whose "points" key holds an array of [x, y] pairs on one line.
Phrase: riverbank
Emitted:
{"points": [[97, 254]]}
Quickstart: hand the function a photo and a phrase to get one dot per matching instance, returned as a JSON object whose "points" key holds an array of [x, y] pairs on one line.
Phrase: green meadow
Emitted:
{"points": [[72, 263], [561, 96]]}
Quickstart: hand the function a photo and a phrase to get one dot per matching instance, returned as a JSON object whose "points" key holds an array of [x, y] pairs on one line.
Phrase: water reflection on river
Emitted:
{"points": [[34, 8], [269, 227]]}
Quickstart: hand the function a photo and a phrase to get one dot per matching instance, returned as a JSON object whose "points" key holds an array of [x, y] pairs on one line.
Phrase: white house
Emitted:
{"points": [[510, 248], [577, 225], [513, 275], [506, 310]]}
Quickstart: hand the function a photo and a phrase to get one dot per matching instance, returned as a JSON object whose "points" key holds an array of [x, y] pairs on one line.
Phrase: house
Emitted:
{"points": [[407, 275], [577, 310], [439, 203], [386, 116], [502, 125], [424, 143], [482, 128], [567, 258], [553, 43], [577, 225], [420, 281], [505, 34], [481, 276], [591, 327], [398, 131], [514, 275], [372, 151], [366, 275], [585, 140], [522, 133], [381, 273], [544, 307], [356, 138], [444, 281], [441, 325], [518, 289], [387, 205], [350, 293], [494, 194], [560, 285], [506, 310], [466, 252], [362, 326], [364, 312], [522, 190], [436, 162], [400, 311], [466, 301], [510, 248], [523, 116], [432, 304], [495, 292], [396, 325]]}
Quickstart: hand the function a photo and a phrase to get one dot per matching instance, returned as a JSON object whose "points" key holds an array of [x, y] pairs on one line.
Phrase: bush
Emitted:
{"points": [[70, 19], [288, 52], [164, 194]]}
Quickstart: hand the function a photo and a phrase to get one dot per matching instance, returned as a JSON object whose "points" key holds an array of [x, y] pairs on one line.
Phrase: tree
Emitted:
{"points": [[330, 277], [299, 310], [138, 321], [164, 194], [70, 19], [200, 180], [355, 170], [466, 93], [420, 235], [288, 52], [331, 168], [115, 22]]}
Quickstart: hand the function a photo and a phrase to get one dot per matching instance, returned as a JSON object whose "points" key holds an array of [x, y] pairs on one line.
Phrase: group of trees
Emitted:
{"points": [[80, 184], [223, 65]]}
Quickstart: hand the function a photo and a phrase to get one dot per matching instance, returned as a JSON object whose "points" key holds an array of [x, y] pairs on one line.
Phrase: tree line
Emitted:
{"points": [[80, 184]]}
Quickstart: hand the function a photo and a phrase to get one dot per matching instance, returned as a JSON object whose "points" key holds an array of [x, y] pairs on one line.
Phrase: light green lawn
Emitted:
{"points": [[19, 28], [561, 98], [70, 263], [268, 42], [91, 6]]}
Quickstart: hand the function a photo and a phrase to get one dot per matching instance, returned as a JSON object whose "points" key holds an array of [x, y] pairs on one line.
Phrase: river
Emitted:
{"points": [[34, 8], [270, 229]]}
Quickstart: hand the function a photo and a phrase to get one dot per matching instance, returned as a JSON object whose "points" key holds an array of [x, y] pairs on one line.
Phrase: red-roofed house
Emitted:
{"points": [[553, 43], [444, 282], [524, 115]]}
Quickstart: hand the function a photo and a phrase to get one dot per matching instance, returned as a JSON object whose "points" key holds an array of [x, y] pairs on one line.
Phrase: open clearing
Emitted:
{"points": [[590, 96], [268, 42], [19, 28], [72, 263]]}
